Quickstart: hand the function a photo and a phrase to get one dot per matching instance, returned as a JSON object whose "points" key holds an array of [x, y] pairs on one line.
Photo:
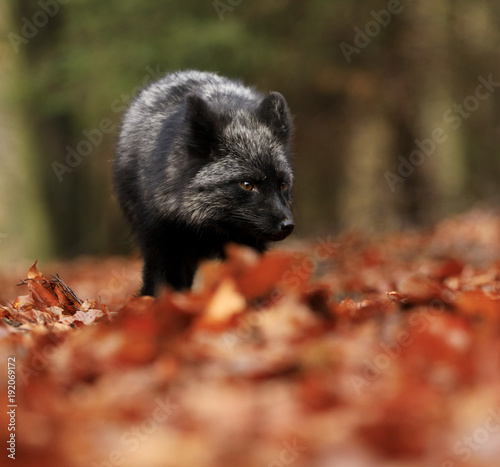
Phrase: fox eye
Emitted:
{"points": [[283, 186], [247, 186]]}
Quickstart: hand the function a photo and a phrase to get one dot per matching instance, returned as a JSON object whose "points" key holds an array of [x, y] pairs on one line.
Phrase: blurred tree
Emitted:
{"points": [[24, 221]]}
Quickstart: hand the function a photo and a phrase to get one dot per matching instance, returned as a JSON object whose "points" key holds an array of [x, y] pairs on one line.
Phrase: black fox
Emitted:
{"points": [[202, 161]]}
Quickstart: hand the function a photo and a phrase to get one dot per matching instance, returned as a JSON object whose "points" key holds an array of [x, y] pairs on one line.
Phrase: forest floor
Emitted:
{"points": [[351, 351]]}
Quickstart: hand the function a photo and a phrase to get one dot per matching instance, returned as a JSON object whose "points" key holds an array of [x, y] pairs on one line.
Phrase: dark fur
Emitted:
{"points": [[186, 145]]}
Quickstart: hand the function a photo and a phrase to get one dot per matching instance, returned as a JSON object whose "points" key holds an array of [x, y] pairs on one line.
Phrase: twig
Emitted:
{"points": [[66, 288]]}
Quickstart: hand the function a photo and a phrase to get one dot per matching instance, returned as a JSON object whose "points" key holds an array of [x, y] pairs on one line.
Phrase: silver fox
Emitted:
{"points": [[202, 161]]}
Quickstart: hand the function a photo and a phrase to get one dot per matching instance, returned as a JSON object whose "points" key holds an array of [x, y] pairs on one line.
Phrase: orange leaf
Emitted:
{"points": [[478, 303], [418, 288], [65, 302], [225, 303], [34, 272], [42, 293], [261, 278]]}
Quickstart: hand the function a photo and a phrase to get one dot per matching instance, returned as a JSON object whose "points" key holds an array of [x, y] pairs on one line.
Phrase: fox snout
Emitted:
{"points": [[283, 225], [284, 229], [287, 226]]}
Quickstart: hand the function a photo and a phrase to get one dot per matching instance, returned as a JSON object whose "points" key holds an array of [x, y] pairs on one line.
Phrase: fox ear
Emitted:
{"points": [[273, 111], [202, 123]]}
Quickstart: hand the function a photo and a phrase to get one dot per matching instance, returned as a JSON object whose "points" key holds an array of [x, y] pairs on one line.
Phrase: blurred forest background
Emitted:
{"points": [[396, 106]]}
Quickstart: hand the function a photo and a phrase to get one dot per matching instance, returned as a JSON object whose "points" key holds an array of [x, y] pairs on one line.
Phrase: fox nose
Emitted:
{"points": [[287, 226]]}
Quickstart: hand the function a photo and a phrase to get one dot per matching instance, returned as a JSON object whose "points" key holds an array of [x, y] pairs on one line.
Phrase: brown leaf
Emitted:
{"points": [[34, 272], [65, 301], [42, 293]]}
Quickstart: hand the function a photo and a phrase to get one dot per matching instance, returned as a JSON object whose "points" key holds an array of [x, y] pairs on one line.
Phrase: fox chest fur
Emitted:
{"points": [[202, 161]]}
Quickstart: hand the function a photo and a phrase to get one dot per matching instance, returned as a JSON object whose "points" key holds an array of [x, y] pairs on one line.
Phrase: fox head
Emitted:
{"points": [[242, 174]]}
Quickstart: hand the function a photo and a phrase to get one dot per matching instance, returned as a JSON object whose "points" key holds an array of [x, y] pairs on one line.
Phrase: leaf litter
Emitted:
{"points": [[358, 351]]}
